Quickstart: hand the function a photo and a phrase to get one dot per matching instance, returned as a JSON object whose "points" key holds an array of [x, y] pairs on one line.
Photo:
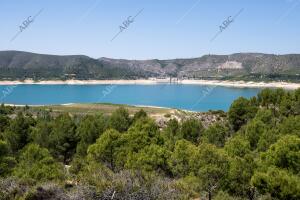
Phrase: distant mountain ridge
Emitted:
{"points": [[240, 66]]}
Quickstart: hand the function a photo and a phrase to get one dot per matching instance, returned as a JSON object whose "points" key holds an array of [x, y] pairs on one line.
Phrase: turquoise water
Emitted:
{"points": [[189, 97]]}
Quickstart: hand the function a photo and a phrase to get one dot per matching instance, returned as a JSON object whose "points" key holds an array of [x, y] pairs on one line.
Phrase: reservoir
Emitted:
{"points": [[180, 96]]}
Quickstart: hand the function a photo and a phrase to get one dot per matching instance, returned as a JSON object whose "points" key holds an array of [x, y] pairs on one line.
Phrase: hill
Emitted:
{"points": [[242, 66]]}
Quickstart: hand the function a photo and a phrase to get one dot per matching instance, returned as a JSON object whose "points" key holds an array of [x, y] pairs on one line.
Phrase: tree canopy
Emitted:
{"points": [[253, 153]]}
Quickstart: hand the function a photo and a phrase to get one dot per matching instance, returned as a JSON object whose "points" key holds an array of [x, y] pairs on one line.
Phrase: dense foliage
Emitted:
{"points": [[254, 154]]}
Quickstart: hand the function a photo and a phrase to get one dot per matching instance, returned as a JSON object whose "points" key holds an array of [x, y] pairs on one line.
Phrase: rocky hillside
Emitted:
{"points": [[242, 66]]}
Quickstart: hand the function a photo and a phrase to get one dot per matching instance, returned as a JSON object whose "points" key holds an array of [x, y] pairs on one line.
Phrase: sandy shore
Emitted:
{"points": [[243, 84], [240, 84]]}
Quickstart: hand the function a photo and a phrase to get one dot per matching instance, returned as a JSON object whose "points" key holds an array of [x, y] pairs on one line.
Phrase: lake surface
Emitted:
{"points": [[189, 97]]}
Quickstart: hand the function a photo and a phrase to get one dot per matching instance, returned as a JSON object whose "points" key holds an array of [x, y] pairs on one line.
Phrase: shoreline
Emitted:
{"points": [[74, 104], [239, 84]]}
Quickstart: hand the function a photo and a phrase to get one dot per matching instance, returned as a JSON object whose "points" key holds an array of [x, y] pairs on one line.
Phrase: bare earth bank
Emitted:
{"points": [[240, 84]]}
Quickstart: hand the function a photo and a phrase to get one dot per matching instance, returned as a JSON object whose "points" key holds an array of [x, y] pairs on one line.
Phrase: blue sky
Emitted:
{"points": [[165, 29]]}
